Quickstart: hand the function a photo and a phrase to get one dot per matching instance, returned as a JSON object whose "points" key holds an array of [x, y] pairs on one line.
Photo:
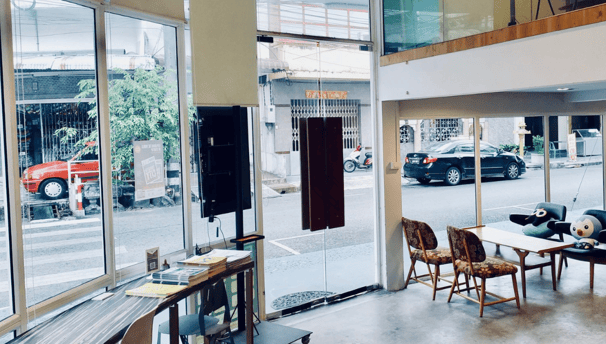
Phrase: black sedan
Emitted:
{"points": [[452, 161]]}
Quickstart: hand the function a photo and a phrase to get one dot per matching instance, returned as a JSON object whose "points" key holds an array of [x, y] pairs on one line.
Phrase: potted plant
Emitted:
{"points": [[538, 155]]}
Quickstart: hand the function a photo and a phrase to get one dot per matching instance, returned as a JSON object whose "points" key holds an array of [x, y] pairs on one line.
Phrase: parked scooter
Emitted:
{"points": [[352, 161]]}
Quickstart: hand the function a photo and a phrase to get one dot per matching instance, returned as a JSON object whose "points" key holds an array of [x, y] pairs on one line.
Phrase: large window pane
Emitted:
{"points": [[54, 55], [145, 138], [6, 295], [438, 156], [344, 19], [576, 181], [514, 179]]}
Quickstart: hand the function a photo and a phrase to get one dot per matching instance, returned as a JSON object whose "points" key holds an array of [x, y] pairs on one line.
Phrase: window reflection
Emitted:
{"points": [[145, 138], [54, 56]]}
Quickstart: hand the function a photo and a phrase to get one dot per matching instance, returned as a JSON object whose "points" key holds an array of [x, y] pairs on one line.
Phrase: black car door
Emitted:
{"points": [[490, 160], [464, 158]]}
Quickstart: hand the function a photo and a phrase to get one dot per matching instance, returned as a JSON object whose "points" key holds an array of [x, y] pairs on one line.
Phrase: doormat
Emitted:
{"points": [[295, 299]]}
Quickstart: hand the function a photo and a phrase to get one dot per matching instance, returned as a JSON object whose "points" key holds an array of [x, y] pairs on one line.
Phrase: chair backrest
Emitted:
{"points": [[140, 331], [213, 298], [457, 239], [558, 210], [598, 214], [412, 228]]}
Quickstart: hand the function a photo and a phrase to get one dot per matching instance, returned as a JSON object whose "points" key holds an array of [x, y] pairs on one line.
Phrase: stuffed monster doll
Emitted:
{"points": [[535, 224], [586, 229]]}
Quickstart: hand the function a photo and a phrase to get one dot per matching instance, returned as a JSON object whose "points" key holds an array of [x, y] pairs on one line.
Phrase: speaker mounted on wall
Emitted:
{"points": [[322, 186]]}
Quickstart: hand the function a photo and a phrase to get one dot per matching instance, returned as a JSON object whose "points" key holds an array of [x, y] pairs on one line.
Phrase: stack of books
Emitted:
{"points": [[155, 290], [181, 275], [215, 264], [235, 258]]}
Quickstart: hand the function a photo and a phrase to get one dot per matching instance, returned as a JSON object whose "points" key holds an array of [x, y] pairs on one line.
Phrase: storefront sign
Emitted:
{"points": [[572, 147], [149, 169], [311, 94]]}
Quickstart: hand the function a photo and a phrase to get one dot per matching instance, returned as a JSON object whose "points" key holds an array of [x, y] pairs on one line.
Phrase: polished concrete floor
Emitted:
{"points": [[573, 313]]}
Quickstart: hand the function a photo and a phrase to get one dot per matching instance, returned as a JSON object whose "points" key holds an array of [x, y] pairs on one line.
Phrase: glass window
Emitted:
{"points": [[513, 178], [145, 138], [6, 295], [438, 173], [575, 155], [54, 56], [346, 19]]}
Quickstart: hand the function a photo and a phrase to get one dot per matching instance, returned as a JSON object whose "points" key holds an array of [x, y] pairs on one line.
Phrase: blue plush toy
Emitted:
{"points": [[587, 230]]}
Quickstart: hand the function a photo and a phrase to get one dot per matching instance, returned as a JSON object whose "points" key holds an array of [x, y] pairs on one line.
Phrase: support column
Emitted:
{"points": [[392, 263]]}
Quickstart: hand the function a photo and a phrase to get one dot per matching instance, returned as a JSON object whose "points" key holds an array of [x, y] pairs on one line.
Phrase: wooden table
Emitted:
{"points": [[106, 321], [523, 245]]}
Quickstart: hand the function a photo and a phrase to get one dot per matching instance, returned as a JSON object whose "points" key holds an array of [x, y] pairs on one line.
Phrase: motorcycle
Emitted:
{"points": [[352, 161]]}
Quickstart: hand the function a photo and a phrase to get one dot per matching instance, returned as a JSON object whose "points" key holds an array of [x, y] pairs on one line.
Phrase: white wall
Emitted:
{"points": [[566, 57]]}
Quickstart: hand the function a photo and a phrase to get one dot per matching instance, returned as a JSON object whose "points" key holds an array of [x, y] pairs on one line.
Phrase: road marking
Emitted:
{"points": [[284, 247], [299, 236], [59, 223], [520, 206], [63, 232]]}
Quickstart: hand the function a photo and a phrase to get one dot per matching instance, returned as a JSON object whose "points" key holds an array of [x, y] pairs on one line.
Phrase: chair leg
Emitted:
{"points": [[467, 284], [455, 282], [591, 266], [184, 340], [435, 283], [476, 287], [560, 266], [515, 289], [412, 267], [482, 296]]}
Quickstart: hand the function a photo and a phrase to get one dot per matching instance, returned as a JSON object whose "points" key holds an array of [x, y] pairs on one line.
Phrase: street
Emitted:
{"points": [[62, 254]]}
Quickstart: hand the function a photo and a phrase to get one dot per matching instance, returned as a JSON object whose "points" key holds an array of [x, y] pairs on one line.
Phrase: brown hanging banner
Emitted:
{"points": [[322, 192]]}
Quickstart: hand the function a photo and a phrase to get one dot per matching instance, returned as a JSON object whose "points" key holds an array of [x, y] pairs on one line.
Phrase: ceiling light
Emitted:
{"points": [[565, 89]]}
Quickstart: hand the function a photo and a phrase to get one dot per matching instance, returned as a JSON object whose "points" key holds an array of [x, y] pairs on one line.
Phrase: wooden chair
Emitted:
{"points": [[425, 248], [140, 331], [470, 259]]}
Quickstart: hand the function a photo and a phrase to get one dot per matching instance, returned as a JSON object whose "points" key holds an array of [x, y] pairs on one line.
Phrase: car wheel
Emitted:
{"points": [[349, 166], [423, 181], [453, 176], [53, 188], [512, 171]]}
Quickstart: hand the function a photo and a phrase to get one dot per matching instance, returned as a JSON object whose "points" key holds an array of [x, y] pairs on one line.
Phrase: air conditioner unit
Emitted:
{"points": [[271, 114]]}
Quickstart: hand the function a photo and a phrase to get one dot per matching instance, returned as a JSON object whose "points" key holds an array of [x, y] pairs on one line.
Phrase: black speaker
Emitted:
{"points": [[217, 149]]}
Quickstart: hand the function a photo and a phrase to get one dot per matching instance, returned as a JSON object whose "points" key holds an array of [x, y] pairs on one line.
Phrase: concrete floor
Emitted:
{"points": [[573, 313]]}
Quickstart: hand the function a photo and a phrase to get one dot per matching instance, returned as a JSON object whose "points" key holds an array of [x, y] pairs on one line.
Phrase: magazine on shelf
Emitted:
{"points": [[155, 290]]}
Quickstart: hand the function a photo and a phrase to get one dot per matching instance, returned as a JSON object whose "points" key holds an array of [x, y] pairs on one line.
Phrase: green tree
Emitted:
{"points": [[143, 106]]}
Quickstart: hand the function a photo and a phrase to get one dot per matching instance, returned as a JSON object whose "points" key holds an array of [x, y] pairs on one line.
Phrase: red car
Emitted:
{"points": [[50, 179]]}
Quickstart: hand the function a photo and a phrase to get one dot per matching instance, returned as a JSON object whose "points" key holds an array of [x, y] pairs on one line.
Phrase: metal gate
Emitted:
{"points": [[437, 130], [347, 109], [37, 125]]}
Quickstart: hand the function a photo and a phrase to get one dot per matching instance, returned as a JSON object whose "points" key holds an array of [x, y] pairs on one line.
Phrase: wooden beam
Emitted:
{"points": [[587, 16]]}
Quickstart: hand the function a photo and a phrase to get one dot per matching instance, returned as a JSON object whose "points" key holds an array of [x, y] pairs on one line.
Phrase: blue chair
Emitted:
{"points": [[213, 297]]}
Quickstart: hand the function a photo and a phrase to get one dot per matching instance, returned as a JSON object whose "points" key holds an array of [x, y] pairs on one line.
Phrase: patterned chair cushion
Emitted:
{"points": [[438, 256], [458, 237], [411, 230], [490, 267]]}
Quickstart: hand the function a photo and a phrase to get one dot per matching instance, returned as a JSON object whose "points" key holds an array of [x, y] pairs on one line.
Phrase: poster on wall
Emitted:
{"points": [[149, 169], [572, 147]]}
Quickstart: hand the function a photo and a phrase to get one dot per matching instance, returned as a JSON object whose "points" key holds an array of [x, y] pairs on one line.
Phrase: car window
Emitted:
{"points": [[486, 149], [441, 147], [467, 148]]}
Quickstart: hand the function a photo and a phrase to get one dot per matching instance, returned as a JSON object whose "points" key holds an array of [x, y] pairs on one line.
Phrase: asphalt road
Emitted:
{"points": [[63, 254]]}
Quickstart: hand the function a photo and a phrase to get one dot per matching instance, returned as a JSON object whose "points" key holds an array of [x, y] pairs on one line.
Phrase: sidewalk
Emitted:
{"points": [[567, 163]]}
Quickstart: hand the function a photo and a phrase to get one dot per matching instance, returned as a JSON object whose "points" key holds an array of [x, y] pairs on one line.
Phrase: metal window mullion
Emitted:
{"points": [[103, 123], [477, 169], [546, 158], [11, 167], [376, 35], [258, 187], [602, 118], [185, 130]]}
